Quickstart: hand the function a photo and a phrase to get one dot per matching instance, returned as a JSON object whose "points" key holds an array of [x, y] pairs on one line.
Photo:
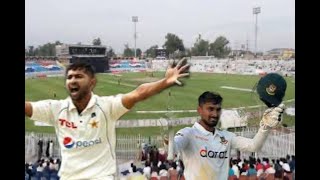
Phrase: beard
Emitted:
{"points": [[80, 94], [210, 123]]}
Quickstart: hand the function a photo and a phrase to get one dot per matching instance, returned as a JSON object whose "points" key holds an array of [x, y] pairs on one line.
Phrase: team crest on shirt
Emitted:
{"points": [[94, 123], [223, 140]]}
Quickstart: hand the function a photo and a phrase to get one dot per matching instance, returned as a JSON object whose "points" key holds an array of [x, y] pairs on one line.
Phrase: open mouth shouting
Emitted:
{"points": [[74, 90]]}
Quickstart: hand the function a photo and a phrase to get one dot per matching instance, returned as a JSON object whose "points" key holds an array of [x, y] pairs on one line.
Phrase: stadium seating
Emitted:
{"points": [[38, 67]]}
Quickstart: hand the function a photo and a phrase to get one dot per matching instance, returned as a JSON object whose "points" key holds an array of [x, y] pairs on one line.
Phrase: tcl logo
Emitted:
{"points": [[68, 124]]}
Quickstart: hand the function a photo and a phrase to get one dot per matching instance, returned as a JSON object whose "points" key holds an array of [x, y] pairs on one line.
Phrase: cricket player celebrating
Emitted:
{"points": [[85, 123], [205, 150]]}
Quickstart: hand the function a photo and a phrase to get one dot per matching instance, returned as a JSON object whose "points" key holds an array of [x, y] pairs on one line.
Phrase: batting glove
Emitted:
{"points": [[272, 117]]}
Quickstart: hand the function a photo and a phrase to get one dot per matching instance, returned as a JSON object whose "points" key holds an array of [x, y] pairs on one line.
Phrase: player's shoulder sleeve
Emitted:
{"points": [[112, 105], [45, 110], [184, 132], [182, 138]]}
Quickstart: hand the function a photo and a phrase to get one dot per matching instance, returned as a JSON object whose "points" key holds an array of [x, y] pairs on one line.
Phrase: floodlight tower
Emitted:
{"points": [[135, 20], [256, 11]]}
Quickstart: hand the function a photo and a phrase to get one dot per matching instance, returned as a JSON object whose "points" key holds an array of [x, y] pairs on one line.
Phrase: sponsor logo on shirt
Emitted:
{"points": [[69, 143], [213, 154], [67, 124], [201, 138]]}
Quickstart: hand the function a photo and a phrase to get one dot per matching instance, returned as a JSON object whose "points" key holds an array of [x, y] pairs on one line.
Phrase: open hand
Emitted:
{"points": [[176, 71]]}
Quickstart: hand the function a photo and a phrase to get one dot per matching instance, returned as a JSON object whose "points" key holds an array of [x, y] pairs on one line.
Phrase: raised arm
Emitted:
{"points": [[28, 109], [42, 111], [248, 144], [146, 90], [270, 119]]}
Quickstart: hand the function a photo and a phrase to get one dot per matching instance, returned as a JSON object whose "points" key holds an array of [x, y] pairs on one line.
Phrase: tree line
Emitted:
{"points": [[173, 44]]}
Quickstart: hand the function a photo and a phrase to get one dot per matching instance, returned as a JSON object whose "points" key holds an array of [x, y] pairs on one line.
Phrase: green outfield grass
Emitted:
{"points": [[182, 98]]}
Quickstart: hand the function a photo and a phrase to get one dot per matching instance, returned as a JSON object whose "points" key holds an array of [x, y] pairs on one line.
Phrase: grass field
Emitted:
{"points": [[182, 98]]}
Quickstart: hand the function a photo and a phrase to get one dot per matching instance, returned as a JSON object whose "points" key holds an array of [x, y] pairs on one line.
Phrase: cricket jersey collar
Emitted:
{"points": [[205, 132], [89, 105]]}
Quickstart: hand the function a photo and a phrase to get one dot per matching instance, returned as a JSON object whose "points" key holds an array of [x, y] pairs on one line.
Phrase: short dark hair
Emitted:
{"points": [[88, 68], [209, 96]]}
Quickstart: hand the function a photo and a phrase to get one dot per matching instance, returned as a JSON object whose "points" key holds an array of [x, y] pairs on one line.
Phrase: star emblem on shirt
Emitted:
{"points": [[94, 124]]}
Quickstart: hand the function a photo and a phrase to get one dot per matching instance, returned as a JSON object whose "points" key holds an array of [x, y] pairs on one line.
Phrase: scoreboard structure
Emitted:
{"points": [[160, 52], [95, 55]]}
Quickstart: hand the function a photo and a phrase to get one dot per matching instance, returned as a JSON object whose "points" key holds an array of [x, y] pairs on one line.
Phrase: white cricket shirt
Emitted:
{"points": [[206, 155], [87, 140]]}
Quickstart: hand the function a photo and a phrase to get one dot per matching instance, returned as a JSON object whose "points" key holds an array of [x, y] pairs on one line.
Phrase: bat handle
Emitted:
{"points": [[171, 145]]}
